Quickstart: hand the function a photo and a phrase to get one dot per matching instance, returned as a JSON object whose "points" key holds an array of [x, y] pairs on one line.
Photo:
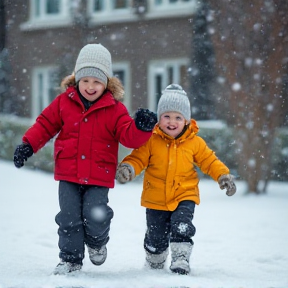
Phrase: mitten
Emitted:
{"points": [[145, 119], [226, 182], [22, 153], [125, 173]]}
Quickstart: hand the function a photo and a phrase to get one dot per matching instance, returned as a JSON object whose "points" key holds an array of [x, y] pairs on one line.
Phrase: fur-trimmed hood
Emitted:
{"points": [[114, 86]]}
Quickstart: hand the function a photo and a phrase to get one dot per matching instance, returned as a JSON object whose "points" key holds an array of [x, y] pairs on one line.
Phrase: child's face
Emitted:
{"points": [[172, 123], [91, 88]]}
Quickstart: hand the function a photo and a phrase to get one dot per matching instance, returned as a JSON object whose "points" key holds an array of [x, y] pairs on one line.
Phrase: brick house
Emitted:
{"points": [[150, 44]]}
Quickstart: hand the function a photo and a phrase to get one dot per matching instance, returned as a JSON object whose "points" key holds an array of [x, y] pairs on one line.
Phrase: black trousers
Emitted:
{"points": [[84, 218], [169, 226]]}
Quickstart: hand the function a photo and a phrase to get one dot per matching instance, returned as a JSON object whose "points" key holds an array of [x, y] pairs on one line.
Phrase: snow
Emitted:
{"points": [[241, 241], [236, 86]]}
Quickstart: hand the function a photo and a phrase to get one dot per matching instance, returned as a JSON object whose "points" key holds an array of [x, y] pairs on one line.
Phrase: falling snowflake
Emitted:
{"points": [[236, 86]]}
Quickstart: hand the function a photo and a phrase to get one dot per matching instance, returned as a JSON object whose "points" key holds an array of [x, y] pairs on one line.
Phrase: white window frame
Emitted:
{"points": [[40, 95], [161, 68], [125, 67], [110, 15], [166, 4], [171, 9], [44, 20], [108, 7]]}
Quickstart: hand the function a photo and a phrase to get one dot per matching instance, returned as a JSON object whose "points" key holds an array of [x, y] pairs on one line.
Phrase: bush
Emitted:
{"points": [[12, 130], [216, 134]]}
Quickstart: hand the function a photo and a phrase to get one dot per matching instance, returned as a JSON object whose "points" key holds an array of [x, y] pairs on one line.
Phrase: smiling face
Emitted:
{"points": [[91, 88], [172, 123]]}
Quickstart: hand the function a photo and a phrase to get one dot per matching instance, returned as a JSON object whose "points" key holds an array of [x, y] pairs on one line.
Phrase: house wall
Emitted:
{"points": [[138, 43]]}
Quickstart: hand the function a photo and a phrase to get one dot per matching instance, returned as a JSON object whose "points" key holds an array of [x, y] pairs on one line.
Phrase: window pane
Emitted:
{"points": [[170, 75], [98, 5], [52, 6], [120, 74], [158, 88], [158, 2], [120, 4]]}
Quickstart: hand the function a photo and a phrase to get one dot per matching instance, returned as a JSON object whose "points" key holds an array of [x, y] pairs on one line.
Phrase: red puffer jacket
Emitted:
{"points": [[86, 148]]}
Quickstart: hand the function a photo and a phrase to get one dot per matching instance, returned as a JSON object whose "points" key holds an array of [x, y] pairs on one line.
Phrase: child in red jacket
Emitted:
{"points": [[89, 122]]}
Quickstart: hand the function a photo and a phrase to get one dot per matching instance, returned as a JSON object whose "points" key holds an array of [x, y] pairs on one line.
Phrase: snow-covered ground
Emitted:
{"points": [[241, 241]]}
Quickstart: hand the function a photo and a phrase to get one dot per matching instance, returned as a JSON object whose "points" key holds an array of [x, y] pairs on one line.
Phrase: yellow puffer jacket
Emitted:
{"points": [[170, 175]]}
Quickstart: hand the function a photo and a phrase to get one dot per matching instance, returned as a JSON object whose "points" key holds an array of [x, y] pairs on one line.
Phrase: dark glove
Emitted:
{"points": [[226, 182], [125, 173], [145, 119], [22, 153]]}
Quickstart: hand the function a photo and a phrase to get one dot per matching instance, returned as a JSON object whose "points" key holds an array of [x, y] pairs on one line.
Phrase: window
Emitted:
{"points": [[44, 88], [45, 85], [163, 73], [120, 4], [171, 2], [162, 8], [48, 13], [103, 11], [109, 6], [47, 9], [98, 5], [121, 70]]}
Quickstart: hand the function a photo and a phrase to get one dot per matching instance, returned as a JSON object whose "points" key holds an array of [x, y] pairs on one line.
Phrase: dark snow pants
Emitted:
{"points": [[84, 218], [169, 226]]}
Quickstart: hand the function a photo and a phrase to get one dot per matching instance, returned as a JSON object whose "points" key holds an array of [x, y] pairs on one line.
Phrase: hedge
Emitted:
{"points": [[218, 137]]}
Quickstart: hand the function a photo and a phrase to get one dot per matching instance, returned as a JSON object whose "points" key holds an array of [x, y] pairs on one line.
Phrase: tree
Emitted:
{"points": [[202, 65], [251, 45], [5, 68], [2, 25]]}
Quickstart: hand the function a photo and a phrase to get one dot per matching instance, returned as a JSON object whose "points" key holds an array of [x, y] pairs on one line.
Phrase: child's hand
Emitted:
{"points": [[226, 182], [145, 119], [22, 153], [125, 173]]}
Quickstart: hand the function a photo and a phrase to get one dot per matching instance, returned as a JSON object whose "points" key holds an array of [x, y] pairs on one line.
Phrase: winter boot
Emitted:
{"points": [[180, 255], [156, 261], [64, 268], [97, 256]]}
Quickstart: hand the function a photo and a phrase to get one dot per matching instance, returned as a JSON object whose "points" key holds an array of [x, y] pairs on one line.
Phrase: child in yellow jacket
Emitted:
{"points": [[170, 185]]}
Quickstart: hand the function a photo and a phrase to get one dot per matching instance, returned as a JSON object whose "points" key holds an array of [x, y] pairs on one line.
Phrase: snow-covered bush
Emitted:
{"points": [[11, 130], [216, 134]]}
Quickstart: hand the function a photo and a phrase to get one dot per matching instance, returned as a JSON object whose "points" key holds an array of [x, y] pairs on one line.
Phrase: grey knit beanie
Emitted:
{"points": [[94, 60], [174, 99]]}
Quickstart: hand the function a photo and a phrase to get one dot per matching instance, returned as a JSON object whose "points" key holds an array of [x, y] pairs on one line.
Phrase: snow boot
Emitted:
{"points": [[156, 261], [97, 256], [180, 256], [64, 268]]}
